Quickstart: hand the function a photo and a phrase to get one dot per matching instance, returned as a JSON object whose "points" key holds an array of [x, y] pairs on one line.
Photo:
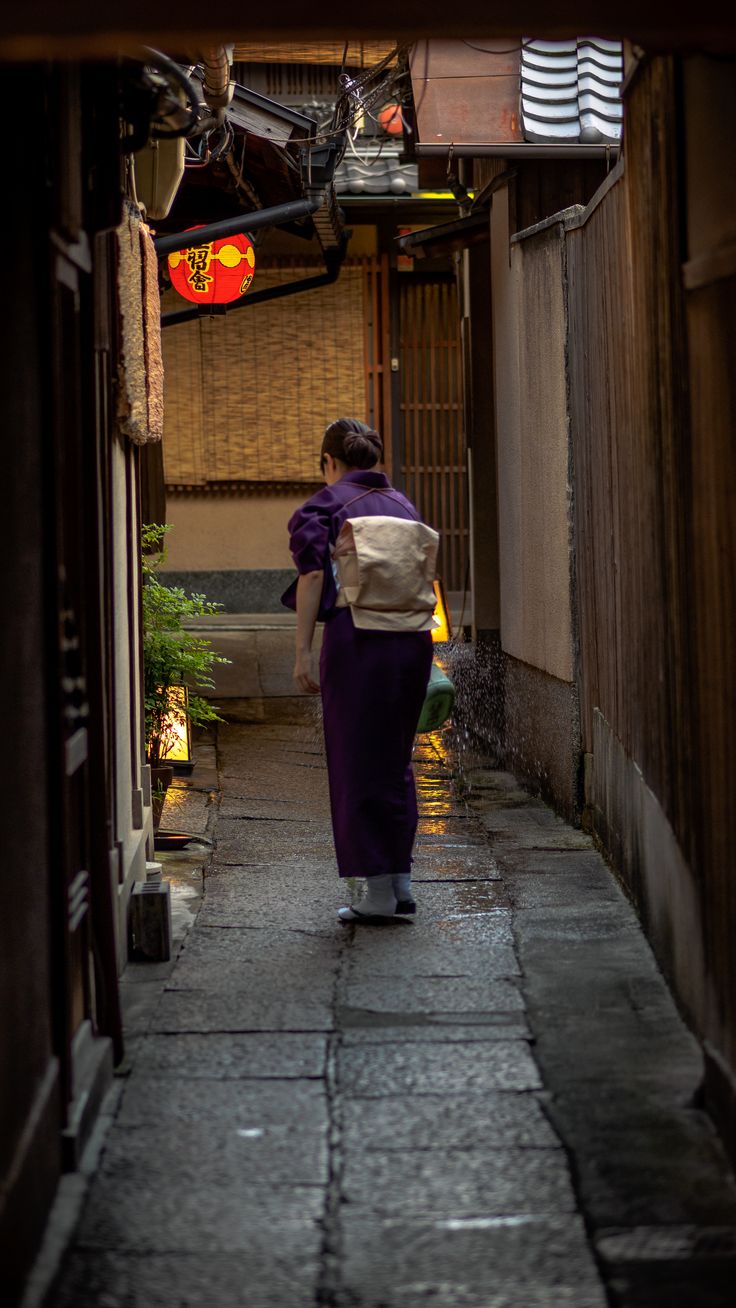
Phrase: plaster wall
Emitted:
{"points": [[215, 533], [133, 830], [529, 326]]}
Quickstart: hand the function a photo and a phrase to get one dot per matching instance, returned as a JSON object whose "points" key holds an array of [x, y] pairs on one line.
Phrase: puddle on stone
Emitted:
{"points": [[471, 899], [444, 826], [184, 872]]}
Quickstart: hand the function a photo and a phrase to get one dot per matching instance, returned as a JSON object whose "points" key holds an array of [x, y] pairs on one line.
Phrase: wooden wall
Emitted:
{"points": [[630, 424], [709, 276], [31, 1110], [653, 402]]}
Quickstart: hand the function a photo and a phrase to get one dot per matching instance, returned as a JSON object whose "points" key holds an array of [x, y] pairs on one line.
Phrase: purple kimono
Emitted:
{"points": [[373, 686]]}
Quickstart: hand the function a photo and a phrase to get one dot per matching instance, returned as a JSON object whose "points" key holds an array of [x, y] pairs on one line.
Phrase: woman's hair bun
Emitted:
{"points": [[362, 449], [353, 442]]}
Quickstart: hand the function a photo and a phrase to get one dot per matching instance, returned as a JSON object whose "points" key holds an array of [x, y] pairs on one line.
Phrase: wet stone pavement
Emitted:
{"points": [[492, 1106]]}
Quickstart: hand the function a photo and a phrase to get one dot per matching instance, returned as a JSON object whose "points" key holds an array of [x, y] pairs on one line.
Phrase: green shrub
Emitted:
{"points": [[172, 657]]}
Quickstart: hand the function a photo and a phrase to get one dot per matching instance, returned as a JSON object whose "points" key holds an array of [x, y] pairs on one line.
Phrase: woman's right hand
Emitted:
{"points": [[304, 673]]}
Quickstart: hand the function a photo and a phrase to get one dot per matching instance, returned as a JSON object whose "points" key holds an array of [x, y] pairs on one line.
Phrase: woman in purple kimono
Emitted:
{"points": [[373, 683]]}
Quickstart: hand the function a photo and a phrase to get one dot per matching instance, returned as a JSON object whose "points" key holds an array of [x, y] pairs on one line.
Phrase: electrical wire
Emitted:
{"points": [[326, 132], [358, 95], [170, 70], [367, 161]]}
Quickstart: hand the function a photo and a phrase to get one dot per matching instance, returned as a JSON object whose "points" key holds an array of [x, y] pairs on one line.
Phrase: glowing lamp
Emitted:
{"points": [[176, 734], [391, 119], [442, 629], [216, 272]]}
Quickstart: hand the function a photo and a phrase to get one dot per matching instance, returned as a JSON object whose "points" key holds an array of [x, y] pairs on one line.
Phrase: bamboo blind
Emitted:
{"points": [[248, 395], [360, 54]]}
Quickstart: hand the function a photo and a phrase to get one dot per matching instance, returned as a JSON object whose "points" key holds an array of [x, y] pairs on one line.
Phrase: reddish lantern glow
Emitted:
{"points": [[391, 119], [214, 273]]}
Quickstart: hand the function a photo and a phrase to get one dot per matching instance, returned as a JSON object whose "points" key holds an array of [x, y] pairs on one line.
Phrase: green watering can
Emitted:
{"points": [[438, 702]]}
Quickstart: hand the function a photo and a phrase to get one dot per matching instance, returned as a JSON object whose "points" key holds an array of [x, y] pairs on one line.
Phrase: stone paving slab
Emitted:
{"points": [[434, 807], [570, 924], [432, 994], [551, 878], [453, 863], [245, 846], [439, 1122], [185, 809], [273, 810], [140, 1004], [263, 1007], [531, 826], [211, 1206], [362, 1027], [508, 1262], [470, 1183], [438, 835], [279, 1055], [295, 780], [670, 1267], [279, 1108], [428, 1069], [289, 903], [232, 959], [459, 904], [225, 1147], [202, 1199], [279, 1269], [270, 868], [427, 960]]}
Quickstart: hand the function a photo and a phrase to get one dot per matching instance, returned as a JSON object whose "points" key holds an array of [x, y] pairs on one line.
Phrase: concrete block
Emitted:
{"points": [[150, 917]]}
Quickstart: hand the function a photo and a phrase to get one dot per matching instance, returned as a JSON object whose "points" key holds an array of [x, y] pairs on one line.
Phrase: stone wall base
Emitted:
{"points": [[542, 735], [633, 829]]}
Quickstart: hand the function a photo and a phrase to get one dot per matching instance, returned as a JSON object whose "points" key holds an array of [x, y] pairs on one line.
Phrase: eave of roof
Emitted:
{"points": [[447, 237]]}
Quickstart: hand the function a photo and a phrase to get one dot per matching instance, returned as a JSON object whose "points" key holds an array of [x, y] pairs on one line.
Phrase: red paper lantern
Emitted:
{"points": [[214, 273]]}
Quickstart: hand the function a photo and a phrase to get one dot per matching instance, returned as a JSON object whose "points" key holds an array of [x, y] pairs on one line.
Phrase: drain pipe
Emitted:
{"points": [[218, 89], [257, 297], [277, 216]]}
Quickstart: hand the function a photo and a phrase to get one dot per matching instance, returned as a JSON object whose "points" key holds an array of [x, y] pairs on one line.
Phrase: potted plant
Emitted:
{"points": [[173, 658]]}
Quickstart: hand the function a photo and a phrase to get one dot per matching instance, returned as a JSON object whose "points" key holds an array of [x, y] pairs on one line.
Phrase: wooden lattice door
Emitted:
{"points": [[432, 421]]}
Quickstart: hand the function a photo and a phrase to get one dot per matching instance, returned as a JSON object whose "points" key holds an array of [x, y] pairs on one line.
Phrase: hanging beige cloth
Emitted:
{"points": [[385, 568], [140, 365]]}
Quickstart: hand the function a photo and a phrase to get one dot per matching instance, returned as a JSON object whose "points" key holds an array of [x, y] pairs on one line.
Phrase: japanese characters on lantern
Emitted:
{"points": [[216, 272]]}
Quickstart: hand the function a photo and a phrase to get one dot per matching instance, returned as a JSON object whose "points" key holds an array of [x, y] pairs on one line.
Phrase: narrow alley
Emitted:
{"points": [[358, 383], [494, 1106]]}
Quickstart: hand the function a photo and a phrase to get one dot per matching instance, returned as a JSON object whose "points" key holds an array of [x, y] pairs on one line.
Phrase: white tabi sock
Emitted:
{"points": [[402, 885], [379, 897]]}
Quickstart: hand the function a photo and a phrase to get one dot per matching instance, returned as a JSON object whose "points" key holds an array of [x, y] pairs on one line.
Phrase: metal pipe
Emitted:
{"points": [[514, 150], [276, 216], [258, 297], [218, 89]]}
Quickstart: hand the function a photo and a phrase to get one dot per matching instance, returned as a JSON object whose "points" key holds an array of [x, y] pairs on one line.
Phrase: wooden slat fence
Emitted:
{"points": [[652, 401]]}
